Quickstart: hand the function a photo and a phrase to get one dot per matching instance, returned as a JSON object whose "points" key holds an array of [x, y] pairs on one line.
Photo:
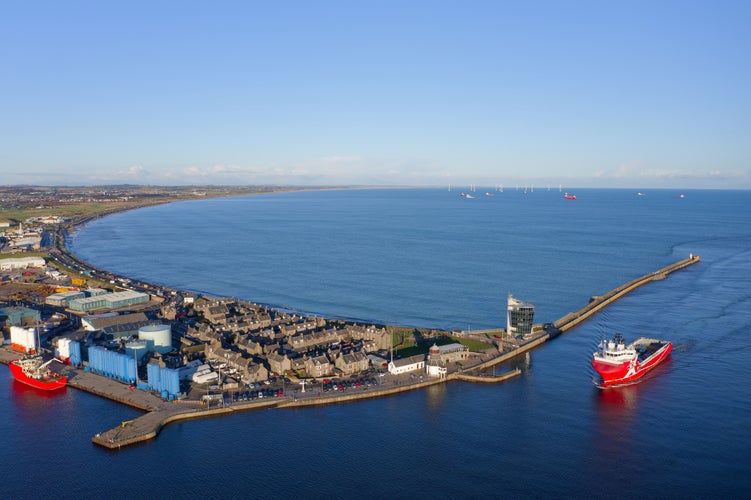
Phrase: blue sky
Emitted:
{"points": [[579, 93]]}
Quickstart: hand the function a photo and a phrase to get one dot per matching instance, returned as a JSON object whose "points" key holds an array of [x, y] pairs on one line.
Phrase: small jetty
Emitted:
{"points": [[160, 412]]}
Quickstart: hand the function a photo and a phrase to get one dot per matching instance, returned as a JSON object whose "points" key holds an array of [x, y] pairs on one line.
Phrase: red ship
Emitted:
{"points": [[620, 364], [32, 370], [569, 196]]}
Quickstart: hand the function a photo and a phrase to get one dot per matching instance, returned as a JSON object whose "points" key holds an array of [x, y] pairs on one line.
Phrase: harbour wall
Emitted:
{"points": [[599, 302], [397, 389]]}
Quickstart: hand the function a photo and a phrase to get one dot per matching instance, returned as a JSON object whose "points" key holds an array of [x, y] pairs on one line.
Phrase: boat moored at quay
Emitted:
{"points": [[620, 364], [33, 371]]}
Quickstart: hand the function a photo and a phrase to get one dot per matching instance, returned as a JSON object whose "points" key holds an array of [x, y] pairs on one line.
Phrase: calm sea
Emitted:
{"points": [[430, 258]]}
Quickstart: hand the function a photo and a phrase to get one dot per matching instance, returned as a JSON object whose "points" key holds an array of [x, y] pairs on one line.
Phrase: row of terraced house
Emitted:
{"points": [[255, 342]]}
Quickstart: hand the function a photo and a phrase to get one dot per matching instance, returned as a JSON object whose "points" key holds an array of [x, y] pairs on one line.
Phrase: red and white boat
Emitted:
{"points": [[621, 364], [32, 370], [569, 196]]}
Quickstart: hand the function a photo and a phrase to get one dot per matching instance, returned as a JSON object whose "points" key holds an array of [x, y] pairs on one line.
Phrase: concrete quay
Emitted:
{"points": [[160, 413], [148, 426]]}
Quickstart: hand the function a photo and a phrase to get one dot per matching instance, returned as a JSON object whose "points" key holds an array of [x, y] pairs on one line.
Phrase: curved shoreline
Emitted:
{"points": [[64, 231]]}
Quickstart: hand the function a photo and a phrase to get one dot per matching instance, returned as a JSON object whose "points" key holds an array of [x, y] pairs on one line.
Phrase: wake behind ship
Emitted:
{"points": [[32, 370], [620, 364]]}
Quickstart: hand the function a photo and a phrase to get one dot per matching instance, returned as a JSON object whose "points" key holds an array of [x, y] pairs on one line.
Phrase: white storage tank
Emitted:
{"points": [[23, 339], [159, 337], [62, 352], [137, 349]]}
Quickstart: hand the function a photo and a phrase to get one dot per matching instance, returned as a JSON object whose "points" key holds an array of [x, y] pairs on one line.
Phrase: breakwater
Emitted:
{"points": [[572, 319], [601, 301]]}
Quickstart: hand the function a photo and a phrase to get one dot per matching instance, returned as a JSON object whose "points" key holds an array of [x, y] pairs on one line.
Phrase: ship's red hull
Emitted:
{"points": [[629, 372], [46, 383]]}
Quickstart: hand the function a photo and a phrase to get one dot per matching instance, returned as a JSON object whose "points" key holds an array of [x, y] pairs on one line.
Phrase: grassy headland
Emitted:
{"points": [[19, 203]]}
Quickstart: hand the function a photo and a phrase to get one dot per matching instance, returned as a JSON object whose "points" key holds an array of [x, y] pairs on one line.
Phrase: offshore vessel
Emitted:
{"points": [[621, 364], [32, 370]]}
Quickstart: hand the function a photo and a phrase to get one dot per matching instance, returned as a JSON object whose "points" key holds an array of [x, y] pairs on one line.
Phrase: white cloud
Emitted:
{"points": [[217, 171], [132, 171], [635, 173]]}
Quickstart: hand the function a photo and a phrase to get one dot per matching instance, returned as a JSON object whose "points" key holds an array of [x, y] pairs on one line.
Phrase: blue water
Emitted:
{"points": [[430, 258]]}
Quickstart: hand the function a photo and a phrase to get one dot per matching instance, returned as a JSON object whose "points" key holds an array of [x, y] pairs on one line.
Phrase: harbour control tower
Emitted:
{"points": [[519, 317]]}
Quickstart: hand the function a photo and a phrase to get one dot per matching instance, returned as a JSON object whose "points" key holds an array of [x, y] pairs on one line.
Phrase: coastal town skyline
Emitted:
{"points": [[415, 94]]}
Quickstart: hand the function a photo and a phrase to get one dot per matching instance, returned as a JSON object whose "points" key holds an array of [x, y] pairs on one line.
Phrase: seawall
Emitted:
{"points": [[148, 426], [599, 302]]}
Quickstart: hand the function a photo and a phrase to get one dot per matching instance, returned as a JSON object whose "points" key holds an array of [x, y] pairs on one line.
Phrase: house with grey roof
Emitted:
{"points": [[352, 362], [318, 366], [279, 363]]}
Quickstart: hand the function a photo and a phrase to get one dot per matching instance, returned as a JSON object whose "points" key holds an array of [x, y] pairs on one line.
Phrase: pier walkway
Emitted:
{"points": [[160, 412], [599, 302]]}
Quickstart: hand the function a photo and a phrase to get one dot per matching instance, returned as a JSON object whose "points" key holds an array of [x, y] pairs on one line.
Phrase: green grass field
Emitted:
{"points": [[412, 341]]}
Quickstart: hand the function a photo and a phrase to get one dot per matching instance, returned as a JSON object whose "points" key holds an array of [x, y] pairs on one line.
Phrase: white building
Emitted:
{"points": [[435, 367], [519, 317], [55, 274], [204, 377], [186, 372], [404, 365], [20, 263], [27, 241]]}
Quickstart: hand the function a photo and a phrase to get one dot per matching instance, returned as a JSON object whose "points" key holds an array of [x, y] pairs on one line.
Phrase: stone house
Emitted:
{"points": [[278, 363], [215, 312], [315, 339], [255, 373], [380, 336], [352, 362], [451, 353], [298, 363], [247, 344], [318, 366]]}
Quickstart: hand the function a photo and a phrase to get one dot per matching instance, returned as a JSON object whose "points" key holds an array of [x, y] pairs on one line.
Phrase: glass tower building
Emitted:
{"points": [[519, 317]]}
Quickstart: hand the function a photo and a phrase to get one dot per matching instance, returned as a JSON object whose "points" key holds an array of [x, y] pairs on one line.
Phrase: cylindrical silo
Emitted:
{"points": [[153, 372], [159, 337], [137, 349]]}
